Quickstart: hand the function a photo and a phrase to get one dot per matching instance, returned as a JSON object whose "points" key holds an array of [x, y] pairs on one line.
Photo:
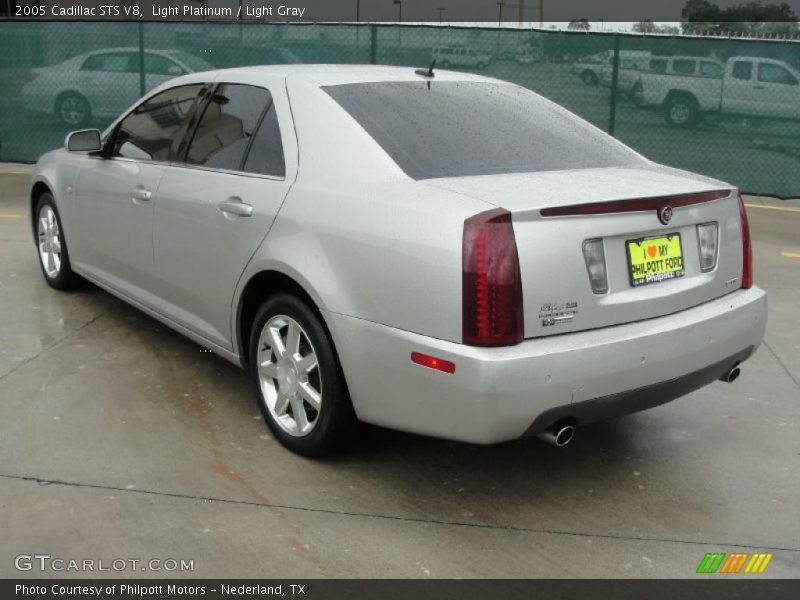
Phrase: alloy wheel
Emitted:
{"points": [[73, 110], [49, 241], [289, 375]]}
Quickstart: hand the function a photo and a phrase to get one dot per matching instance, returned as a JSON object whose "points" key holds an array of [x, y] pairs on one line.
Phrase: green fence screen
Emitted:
{"points": [[725, 108]]}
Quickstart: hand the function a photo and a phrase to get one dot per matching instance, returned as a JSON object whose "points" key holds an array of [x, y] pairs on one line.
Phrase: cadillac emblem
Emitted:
{"points": [[665, 214]]}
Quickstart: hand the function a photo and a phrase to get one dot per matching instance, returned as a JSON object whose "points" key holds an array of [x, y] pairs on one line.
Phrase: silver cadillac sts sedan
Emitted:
{"points": [[435, 252]]}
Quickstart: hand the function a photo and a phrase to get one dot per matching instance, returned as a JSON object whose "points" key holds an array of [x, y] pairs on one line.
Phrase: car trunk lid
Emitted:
{"points": [[555, 213]]}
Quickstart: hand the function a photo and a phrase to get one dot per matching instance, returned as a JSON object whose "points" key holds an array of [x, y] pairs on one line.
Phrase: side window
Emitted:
{"points": [[770, 73], [156, 64], [710, 69], [118, 62], [683, 67], [659, 65], [229, 121], [742, 70], [154, 130], [266, 152]]}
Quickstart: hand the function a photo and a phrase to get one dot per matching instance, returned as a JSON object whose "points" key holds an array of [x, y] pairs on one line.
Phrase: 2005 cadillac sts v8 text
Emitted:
{"points": [[439, 253]]}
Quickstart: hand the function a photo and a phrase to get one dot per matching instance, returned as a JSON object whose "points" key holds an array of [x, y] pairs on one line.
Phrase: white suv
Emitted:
{"points": [[458, 56]]}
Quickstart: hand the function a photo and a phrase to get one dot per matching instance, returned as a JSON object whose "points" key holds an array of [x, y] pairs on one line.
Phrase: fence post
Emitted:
{"points": [[141, 59], [612, 117], [373, 51]]}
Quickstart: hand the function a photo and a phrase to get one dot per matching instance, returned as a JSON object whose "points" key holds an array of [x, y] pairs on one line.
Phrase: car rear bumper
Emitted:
{"points": [[499, 394]]}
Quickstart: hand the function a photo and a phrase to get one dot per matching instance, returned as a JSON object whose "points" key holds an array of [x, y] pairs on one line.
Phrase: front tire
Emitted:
{"points": [[298, 380], [52, 247], [73, 110]]}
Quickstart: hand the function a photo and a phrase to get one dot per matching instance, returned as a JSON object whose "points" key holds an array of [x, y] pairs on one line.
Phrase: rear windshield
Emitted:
{"points": [[458, 128]]}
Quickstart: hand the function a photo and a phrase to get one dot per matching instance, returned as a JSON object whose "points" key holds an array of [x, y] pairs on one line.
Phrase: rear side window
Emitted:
{"points": [[227, 126], [742, 70], [155, 129], [457, 128], [710, 69], [118, 62], [160, 65], [683, 67], [266, 151]]}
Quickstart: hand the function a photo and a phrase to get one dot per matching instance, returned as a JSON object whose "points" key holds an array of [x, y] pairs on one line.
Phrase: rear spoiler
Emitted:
{"points": [[634, 205]]}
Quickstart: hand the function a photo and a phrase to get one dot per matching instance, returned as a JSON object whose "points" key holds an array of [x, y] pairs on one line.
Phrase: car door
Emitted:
{"points": [[216, 208], [777, 91], [738, 95], [115, 196]]}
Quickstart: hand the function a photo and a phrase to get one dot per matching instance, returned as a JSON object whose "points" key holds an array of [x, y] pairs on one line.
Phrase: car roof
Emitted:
{"points": [[325, 75]]}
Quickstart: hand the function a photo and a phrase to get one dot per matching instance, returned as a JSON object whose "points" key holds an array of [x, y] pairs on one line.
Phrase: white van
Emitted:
{"points": [[460, 56]]}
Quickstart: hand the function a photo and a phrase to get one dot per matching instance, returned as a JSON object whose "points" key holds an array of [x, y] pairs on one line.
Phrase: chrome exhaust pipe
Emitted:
{"points": [[731, 375], [559, 435]]}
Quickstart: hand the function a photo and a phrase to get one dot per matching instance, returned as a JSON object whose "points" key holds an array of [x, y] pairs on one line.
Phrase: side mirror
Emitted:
{"points": [[86, 140]]}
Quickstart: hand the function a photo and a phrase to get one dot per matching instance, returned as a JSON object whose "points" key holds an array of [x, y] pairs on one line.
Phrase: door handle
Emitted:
{"points": [[234, 207], [141, 195]]}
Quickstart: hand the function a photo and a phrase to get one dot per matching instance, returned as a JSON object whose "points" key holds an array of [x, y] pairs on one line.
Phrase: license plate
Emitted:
{"points": [[655, 259]]}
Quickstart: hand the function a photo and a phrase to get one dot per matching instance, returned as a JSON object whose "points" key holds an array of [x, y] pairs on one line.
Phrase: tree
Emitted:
{"points": [[751, 18], [579, 25], [648, 26]]}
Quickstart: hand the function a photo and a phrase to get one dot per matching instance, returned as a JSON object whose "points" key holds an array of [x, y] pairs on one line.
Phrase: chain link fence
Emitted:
{"points": [[727, 108]]}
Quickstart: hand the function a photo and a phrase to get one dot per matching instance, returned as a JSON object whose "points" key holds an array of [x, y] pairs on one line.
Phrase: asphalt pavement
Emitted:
{"points": [[120, 439]]}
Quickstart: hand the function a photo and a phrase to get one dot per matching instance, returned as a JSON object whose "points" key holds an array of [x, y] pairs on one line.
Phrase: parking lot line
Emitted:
{"points": [[782, 208], [11, 215], [791, 254]]}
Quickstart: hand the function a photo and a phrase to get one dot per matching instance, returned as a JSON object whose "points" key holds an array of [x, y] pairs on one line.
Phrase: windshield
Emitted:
{"points": [[458, 128]]}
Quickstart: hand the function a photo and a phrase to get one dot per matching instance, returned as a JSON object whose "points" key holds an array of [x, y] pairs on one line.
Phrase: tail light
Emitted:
{"points": [[747, 248], [31, 76], [491, 282]]}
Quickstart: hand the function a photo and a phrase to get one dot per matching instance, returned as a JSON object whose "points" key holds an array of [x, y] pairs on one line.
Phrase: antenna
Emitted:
{"points": [[429, 72]]}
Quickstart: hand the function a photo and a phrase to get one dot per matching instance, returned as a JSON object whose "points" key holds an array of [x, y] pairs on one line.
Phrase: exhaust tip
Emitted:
{"points": [[559, 435], [732, 375], [565, 435]]}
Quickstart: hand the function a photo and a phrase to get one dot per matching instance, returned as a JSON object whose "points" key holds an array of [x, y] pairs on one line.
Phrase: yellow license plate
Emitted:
{"points": [[655, 259]]}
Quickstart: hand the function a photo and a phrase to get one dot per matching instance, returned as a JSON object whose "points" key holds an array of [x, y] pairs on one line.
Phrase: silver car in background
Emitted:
{"points": [[102, 83], [444, 253]]}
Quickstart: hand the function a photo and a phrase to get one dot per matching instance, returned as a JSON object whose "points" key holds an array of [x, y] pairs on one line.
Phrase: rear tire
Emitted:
{"points": [[52, 247], [298, 380], [681, 111], [589, 78]]}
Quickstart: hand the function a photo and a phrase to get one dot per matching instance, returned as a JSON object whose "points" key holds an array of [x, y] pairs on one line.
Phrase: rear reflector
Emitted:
{"points": [[595, 258], [707, 238], [636, 205], [747, 248], [491, 282], [433, 363]]}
